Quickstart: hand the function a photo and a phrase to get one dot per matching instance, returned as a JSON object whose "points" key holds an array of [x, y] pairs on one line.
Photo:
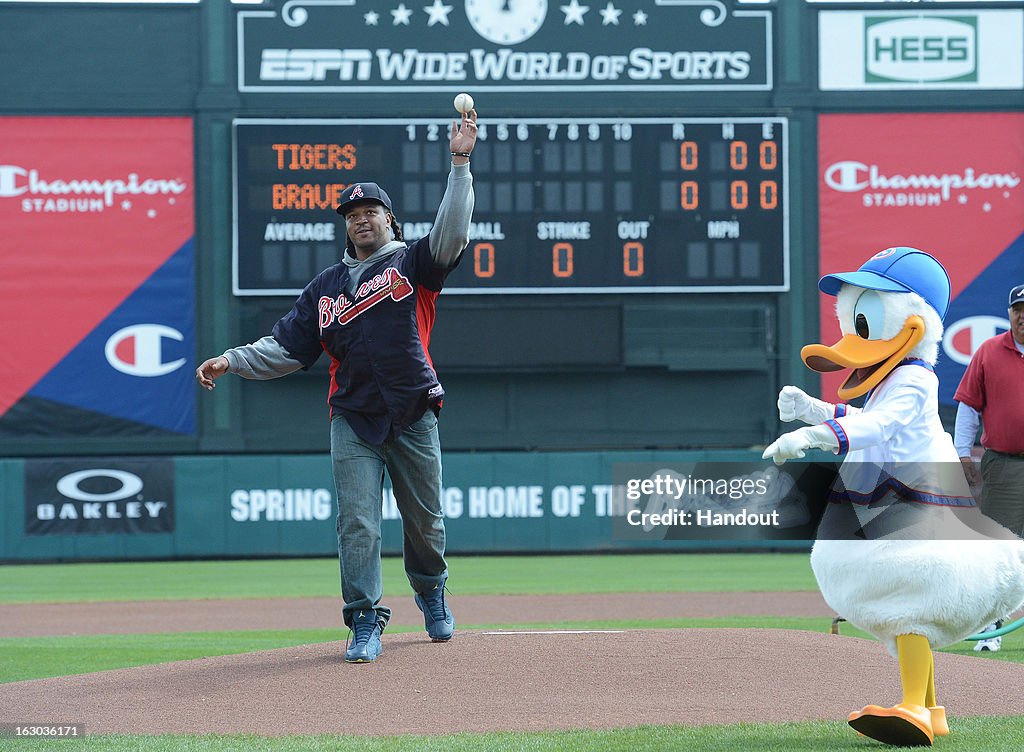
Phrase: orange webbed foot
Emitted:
{"points": [[903, 725], [939, 725]]}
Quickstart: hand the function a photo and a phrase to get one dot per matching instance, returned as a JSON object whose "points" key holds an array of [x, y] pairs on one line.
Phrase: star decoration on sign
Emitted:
{"points": [[639, 18], [610, 15], [371, 18], [401, 14], [438, 13], [126, 205], [962, 198], [574, 12]]}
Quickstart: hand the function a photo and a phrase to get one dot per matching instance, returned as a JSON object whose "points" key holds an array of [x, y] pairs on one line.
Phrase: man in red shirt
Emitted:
{"points": [[992, 393]]}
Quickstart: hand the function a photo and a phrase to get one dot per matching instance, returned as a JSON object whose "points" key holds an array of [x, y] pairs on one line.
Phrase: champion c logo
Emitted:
{"points": [[847, 177], [137, 350], [9, 180], [963, 337], [131, 484]]}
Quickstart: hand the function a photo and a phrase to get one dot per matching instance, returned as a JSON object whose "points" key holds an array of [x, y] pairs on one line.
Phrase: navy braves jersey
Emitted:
{"points": [[382, 378]]}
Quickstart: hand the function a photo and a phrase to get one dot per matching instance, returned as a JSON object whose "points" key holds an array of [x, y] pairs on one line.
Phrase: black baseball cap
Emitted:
{"points": [[363, 192], [1016, 295]]}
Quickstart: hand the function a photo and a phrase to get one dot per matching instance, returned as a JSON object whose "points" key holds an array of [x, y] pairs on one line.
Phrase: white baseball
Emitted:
{"points": [[463, 102]]}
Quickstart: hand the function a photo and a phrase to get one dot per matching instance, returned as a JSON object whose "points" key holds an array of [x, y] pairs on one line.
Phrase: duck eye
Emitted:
{"points": [[869, 315], [862, 326]]}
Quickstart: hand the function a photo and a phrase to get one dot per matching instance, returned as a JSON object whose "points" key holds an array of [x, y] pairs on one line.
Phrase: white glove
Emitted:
{"points": [[793, 445], [795, 404]]}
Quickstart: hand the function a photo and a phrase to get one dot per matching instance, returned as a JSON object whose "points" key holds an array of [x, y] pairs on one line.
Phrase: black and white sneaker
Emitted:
{"points": [[992, 644]]}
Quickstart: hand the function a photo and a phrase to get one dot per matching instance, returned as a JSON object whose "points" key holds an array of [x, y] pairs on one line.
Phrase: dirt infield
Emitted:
{"points": [[497, 681], [31, 620], [483, 681]]}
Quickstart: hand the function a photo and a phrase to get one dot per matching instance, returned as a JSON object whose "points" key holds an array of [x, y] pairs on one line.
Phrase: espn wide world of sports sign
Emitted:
{"points": [[528, 45]]}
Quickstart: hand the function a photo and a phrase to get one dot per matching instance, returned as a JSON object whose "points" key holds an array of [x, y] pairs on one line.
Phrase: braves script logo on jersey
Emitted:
{"points": [[388, 284]]}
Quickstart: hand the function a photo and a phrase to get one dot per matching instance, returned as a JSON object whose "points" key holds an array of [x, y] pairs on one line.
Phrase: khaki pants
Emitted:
{"points": [[1002, 496]]}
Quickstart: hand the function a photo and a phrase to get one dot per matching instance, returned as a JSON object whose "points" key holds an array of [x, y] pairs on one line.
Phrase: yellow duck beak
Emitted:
{"points": [[870, 359]]}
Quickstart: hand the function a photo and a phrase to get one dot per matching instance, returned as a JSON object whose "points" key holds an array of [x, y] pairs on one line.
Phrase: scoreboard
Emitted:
{"points": [[563, 205]]}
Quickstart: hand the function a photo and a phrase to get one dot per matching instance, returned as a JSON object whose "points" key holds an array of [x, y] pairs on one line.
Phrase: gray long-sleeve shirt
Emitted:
{"points": [[449, 236]]}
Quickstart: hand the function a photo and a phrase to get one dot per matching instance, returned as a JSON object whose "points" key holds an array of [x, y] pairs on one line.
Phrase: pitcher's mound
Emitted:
{"points": [[483, 681]]}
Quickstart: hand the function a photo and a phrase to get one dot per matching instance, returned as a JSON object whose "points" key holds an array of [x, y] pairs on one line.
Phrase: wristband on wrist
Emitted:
{"points": [[460, 154]]}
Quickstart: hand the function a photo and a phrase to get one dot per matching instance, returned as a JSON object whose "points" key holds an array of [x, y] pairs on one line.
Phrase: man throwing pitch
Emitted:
{"points": [[372, 313]]}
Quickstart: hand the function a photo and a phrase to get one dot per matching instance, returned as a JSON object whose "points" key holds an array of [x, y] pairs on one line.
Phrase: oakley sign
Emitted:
{"points": [[100, 496], [70, 485]]}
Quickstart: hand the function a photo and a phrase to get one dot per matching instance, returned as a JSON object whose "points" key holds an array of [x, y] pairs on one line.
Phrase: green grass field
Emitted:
{"points": [[38, 657], [968, 735], [470, 575]]}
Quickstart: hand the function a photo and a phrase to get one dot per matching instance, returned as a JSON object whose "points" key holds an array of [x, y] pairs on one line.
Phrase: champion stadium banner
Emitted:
{"points": [[947, 183], [97, 289]]}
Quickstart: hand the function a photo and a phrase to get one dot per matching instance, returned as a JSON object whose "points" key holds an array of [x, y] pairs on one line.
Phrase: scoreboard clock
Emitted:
{"points": [[505, 23], [563, 205]]}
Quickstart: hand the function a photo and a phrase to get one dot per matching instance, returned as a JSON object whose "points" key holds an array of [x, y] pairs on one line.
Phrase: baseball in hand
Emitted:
{"points": [[464, 102]]}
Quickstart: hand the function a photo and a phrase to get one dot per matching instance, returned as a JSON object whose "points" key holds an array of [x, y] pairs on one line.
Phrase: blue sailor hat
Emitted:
{"points": [[900, 269]]}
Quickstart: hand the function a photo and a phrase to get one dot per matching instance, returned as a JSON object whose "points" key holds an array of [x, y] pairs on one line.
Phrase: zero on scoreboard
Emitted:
{"points": [[563, 205]]}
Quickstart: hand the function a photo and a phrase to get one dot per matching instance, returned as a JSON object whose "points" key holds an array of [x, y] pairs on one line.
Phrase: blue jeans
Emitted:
{"points": [[413, 461]]}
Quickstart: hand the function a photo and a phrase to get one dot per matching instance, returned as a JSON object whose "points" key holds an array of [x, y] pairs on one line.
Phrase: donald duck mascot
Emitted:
{"points": [[934, 570]]}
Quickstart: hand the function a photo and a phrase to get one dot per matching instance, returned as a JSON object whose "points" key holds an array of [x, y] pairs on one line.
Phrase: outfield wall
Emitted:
{"points": [[283, 505]]}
